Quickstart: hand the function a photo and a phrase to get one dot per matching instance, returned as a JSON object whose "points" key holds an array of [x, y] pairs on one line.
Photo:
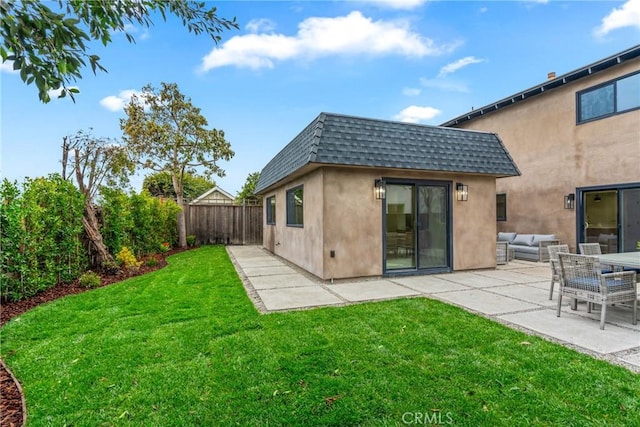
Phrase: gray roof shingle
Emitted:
{"points": [[345, 140]]}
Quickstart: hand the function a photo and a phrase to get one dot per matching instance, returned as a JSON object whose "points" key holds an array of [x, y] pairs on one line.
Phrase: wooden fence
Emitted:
{"points": [[226, 224]]}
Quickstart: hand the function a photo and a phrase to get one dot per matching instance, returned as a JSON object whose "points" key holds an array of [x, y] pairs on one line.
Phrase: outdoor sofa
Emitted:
{"points": [[530, 247]]}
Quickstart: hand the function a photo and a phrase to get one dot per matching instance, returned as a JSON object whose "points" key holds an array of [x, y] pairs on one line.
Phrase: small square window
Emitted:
{"points": [[271, 210], [295, 198]]}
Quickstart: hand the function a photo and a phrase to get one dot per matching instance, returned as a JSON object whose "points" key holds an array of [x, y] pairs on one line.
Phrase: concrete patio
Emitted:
{"points": [[516, 294]]}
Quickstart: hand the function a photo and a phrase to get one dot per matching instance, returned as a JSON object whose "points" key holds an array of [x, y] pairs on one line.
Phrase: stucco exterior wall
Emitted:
{"points": [[555, 155], [342, 214], [300, 245], [352, 224], [474, 225]]}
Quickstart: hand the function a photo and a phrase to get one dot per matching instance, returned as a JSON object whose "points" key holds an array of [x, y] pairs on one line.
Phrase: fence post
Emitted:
{"points": [[244, 222]]}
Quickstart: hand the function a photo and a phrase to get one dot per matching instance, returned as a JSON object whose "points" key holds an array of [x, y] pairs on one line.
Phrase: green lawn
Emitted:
{"points": [[184, 346]]}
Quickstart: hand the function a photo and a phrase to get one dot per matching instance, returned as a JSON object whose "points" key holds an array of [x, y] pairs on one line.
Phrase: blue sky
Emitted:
{"points": [[408, 60]]}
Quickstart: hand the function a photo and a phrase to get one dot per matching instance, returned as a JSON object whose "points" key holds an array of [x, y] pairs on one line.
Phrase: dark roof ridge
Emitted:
{"points": [[349, 116], [317, 134]]}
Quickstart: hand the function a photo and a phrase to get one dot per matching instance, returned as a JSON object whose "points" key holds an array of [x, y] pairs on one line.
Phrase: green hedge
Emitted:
{"points": [[139, 221], [40, 236], [41, 231]]}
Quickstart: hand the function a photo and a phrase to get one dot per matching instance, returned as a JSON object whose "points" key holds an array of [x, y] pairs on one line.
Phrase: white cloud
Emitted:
{"points": [[261, 25], [415, 114], [137, 32], [444, 84], [627, 15], [460, 63], [411, 91], [7, 67], [352, 34], [398, 4], [117, 102]]}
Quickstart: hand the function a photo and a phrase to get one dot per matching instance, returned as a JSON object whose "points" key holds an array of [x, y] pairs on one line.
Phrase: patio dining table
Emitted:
{"points": [[622, 259]]}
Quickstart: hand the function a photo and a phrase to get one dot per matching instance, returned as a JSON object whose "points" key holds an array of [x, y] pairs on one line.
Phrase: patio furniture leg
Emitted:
{"points": [[559, 304], [551, 291], [589, 307], [634, 318], [602, 315]]}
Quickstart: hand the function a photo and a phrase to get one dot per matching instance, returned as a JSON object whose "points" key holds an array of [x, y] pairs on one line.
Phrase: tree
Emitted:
{"points": [[161, 184], [50, 47], [94, 161], [248, 191], [164, 131]]}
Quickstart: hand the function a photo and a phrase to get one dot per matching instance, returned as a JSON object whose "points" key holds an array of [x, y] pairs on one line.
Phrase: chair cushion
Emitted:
{"points": [[523, 240], [594, 284], [506, 237], [584, 282], [537, 238]]}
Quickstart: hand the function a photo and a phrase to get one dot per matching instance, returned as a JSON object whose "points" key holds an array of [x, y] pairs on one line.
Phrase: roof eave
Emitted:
{"points": [[569, 77]]}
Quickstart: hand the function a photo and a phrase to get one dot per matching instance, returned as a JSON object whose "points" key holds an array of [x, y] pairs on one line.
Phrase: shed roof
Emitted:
{"points": [[355, 141], [211, 191]]}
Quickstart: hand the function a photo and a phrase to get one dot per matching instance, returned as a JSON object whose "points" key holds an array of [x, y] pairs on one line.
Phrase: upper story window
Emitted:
{"points": [[271, 210], [501, 207], [614, 97], [295, 198]]}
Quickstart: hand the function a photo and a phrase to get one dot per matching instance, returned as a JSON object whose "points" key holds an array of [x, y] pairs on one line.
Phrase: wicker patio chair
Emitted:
{"points": [[555, 264], [590, 248], [581, 279], [594, 249], [502, 253]]}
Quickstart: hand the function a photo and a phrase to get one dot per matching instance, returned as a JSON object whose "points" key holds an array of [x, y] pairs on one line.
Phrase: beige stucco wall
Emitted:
{"points": [[300, 245], [556, 156], [342, 214]]}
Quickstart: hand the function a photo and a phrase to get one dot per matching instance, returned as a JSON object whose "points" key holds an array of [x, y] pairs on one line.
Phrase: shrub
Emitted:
{"points": [[191, 240], [139, 221], [151, 262], [164, 247], [40, 231], [110, 267], [128, 259], [90, 280]]}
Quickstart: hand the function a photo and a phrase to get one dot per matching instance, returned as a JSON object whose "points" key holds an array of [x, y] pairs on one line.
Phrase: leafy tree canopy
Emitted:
{"points": [[248, 190], [161, 184], [49, 47], [165, 132]]}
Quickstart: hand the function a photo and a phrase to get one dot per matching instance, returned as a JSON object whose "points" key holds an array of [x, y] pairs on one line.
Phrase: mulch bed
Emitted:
{"points": [[12, 407]]}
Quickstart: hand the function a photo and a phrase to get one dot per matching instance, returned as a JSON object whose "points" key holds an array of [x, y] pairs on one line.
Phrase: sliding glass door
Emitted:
{"points": [[432, 226], [400, 227], [610, 216], [630, 219], [416, 226]]}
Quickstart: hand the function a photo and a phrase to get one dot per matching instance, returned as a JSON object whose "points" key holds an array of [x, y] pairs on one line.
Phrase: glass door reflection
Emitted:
{"points": [[400, 229]]}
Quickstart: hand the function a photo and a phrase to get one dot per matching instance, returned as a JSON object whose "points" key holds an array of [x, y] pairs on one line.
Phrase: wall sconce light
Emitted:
{"points": [[570, 201], [379, 189], [462, 192]]}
